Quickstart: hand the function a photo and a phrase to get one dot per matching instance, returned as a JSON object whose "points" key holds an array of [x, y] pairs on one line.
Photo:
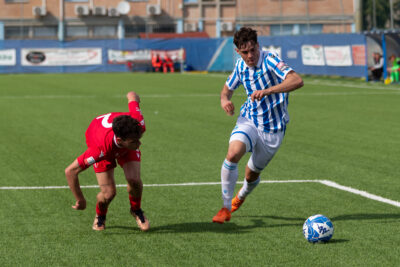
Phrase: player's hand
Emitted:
{"points": [[132, 96], [80, 204], [228, 106], [259, 94]]}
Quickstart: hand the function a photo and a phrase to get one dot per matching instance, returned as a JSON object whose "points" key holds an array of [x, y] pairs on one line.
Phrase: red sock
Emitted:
{"points": [[135, 202], [101, 210]]}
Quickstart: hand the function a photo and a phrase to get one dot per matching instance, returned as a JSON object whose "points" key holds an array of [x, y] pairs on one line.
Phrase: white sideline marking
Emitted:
{"points": [[361, 193], [45, 96], [324, 182], [30, 97]]}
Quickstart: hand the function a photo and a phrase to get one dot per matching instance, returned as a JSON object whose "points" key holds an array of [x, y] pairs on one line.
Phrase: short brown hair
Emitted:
{"points": [[245, 35], [126, 127]]}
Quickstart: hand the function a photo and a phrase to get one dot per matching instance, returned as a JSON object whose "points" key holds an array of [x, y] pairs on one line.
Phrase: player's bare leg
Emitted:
{"points": [[135, 189], [252, 179], [229, 175], [104, 198]]}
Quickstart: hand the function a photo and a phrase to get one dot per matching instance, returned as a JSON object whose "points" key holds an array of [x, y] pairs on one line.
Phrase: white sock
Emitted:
{"points": [[247, 188], [229, 175]]}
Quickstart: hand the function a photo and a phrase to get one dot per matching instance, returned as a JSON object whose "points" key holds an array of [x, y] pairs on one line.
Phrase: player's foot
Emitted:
{"points": [[236, 203], [141, 220], [99, 223], [223, 215]]}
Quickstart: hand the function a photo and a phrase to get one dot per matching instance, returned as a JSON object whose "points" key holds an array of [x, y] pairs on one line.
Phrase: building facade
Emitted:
{"points": [[77, 19]]}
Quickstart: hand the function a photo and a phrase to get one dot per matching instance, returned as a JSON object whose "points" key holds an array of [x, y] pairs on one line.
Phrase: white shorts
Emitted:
{"points": [[262, 145]]}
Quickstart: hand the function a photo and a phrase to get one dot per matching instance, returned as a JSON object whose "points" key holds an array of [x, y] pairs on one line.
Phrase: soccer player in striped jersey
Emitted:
{"points": [[262, 119], [112, 137]]}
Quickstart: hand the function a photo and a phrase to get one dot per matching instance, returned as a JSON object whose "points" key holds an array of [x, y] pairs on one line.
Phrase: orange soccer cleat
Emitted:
{"points": [[141, 220], [99, 223], [224, 215], [236, 203]]}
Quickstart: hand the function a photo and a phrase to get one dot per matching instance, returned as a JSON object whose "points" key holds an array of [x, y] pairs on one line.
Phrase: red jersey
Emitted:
{"points": [[101, 140]]}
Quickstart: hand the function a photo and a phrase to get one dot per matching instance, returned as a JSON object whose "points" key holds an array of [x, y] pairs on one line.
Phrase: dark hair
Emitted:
{"points": [[126, 127], [243, 36]]}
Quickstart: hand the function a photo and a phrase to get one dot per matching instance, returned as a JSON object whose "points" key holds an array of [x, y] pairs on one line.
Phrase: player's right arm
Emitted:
{"points": [[134, 108], [230, 85], [226, 102], [71, 174]]}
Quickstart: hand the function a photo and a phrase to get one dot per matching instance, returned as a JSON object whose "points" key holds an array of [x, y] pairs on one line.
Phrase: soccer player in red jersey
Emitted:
{"points": [[112, 137]]}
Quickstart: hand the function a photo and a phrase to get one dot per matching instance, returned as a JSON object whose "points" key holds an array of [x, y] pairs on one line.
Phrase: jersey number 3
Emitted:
{"points": [[104, 121]]}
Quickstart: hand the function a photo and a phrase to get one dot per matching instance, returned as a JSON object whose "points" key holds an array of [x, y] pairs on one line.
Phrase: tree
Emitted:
{"points": [[396, 13], [382, 13]]}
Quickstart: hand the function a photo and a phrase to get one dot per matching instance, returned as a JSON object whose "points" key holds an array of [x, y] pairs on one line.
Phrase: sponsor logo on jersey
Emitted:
{"points": [[90, 161], [282, 66]]}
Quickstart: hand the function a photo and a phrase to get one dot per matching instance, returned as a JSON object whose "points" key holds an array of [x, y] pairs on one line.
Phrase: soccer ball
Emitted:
{"points": [[318, 229]]}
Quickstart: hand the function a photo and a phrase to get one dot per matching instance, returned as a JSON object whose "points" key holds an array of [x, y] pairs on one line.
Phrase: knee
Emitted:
{"points": [[233, 156], [134, 181], [109, 196]]}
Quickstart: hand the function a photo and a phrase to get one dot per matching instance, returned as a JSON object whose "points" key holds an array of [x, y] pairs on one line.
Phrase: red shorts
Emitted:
{"points": [[106, 165]]}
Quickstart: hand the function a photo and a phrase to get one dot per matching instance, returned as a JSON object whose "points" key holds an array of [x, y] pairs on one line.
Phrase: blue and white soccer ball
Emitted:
{"points": [[318, 229]]}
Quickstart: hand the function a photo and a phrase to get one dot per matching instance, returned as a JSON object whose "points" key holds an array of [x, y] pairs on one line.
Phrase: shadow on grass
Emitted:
{"points": [[198, 227], [258, 221]]}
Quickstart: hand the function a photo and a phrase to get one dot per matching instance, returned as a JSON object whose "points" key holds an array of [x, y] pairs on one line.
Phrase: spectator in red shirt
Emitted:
{"points": [[157, 63], [168, 63], [112, 137]]}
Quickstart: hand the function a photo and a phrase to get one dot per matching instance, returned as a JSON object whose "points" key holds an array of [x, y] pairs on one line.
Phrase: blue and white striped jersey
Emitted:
{"points": [[270, 113]]}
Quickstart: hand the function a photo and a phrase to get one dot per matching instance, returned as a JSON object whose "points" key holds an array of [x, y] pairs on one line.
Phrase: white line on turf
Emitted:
{"points": [[45, 96], [361, 193], [374, 86], [296, 93], [324, 182], [30, 97]]}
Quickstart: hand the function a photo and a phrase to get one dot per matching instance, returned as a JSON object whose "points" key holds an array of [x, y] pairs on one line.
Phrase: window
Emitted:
{"points": [[313, 29], [295, 29], [134, 30], [104, 31], [281, 30], [77, 31], [17, 1], [164, 28], [16, 32], [45, 31]]}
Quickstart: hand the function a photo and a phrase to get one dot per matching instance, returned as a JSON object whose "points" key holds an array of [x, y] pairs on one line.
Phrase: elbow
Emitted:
{"points": [[72, 171], [299, 82]]}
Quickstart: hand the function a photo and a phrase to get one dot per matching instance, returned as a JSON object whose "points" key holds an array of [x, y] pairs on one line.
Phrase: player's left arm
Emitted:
{"points": [[134, 108], [71, 174], [291, 82]]}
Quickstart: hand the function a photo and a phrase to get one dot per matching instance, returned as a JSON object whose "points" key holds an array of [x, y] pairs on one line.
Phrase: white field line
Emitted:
{"points": [[45, 96], [324, 182], [361, 193], [353, 85], [374, 86], [239, 94]]}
